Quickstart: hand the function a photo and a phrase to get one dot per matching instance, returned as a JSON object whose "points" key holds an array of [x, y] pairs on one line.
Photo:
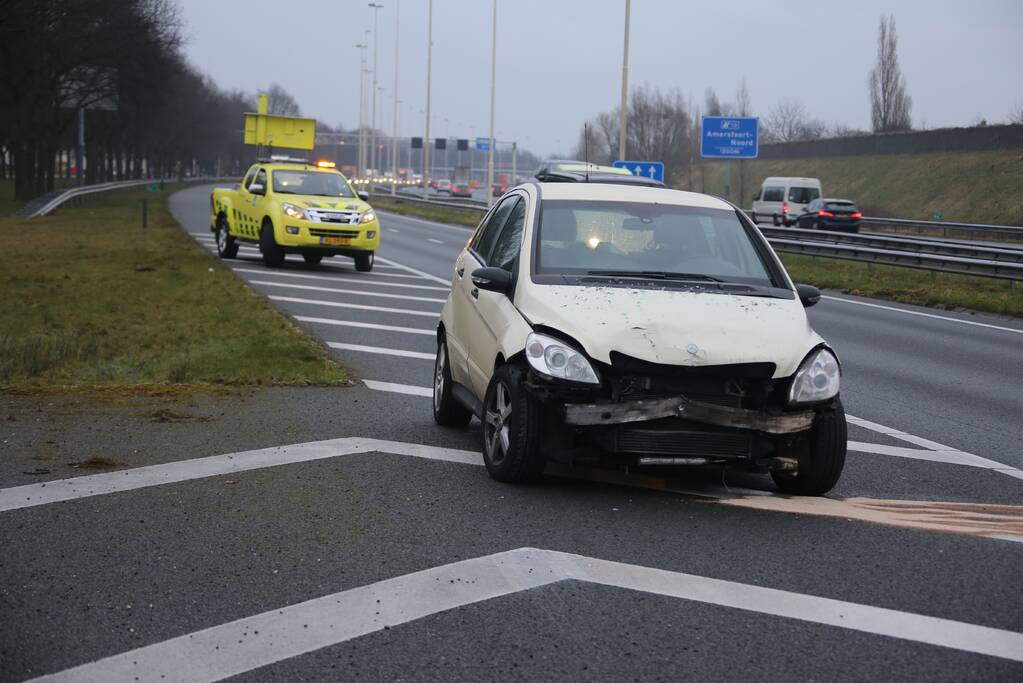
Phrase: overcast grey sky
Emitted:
{"points": [[559, 61]]}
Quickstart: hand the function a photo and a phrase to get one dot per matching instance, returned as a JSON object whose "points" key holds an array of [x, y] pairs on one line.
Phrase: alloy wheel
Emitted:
{"points": [[496, 424]]}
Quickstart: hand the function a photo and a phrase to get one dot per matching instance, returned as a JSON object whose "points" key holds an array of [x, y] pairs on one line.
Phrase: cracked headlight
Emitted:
{"points": [[557, 359], [368, 217], [817, 379], [293, 211]]}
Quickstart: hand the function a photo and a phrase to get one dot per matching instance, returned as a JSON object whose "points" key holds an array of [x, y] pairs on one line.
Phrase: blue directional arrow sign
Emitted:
{"points": [[730, 137], [646, 169], [482, 144]]}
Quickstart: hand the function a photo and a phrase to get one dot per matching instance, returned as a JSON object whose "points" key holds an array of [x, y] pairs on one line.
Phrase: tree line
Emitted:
{"points": [[147, 113]]}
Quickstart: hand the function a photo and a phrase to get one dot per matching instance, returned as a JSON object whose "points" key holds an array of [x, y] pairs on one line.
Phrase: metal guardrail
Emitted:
{"points": [[945, 225], [462, 206], [72, 192]]}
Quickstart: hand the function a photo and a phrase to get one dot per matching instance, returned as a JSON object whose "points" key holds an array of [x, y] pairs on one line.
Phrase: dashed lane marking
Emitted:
{"points": [[354, 292], [393, 230], [923, 315], [246, 644], [381, 351], [398, 388], [369, 326], [430, 239], [416, 271], [360, 307], [333, 278]]}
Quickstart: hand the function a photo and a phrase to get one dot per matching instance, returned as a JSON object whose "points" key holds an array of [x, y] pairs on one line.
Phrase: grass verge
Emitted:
{"points": [[95, 303], [441, 214], [907, 285]]}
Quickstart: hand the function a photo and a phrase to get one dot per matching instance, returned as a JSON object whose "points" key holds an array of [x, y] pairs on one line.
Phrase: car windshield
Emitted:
{"points": [[632, 239], [318, 183]]}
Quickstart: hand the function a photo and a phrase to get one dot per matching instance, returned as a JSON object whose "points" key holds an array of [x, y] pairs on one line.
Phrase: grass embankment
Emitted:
{"points": [[440, 214], [883, 282], [95, 302], [976, 187]]}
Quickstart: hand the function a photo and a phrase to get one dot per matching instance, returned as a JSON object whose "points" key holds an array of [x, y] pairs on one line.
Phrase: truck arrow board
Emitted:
{"points": [[644, 169]]}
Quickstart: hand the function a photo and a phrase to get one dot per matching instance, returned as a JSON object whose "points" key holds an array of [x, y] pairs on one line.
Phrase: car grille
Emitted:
{"points": [[679, 438], [321, 232], [325, 216]]}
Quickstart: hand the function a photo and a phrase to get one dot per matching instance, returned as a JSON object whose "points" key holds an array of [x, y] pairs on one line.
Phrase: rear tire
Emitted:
{"points": [[447, 411], [821, 464], [511, 429], [775, 221], [273, 254], [312, 259], [227, 246], [364, 262]]}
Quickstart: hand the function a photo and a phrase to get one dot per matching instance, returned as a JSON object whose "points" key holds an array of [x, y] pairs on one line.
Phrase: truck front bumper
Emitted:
{"points": [[307, 236]]}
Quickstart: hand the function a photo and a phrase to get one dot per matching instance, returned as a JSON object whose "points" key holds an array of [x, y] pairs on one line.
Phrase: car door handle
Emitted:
{"points": [[475, 293]]}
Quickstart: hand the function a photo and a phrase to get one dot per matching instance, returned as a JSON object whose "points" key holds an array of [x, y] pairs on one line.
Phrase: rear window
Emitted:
{"points": [[774, 194], [803, 195], [841, 206]]}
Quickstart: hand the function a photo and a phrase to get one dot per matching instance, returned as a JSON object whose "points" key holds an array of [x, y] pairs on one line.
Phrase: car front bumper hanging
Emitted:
{"points": [[642, 410]]}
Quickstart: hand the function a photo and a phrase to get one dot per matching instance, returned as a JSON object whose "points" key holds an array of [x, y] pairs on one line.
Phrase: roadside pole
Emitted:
{"points": [[374, 157], [429, 72], [515, 161], [80, 148], [493, 93], [728, 179], [624, 108], [394, 141]]}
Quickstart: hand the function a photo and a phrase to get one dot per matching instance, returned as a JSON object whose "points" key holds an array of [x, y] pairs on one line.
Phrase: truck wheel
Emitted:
{"points": [[273, 255], [312, 259], [753, 215], [227, 246], [511, 429], [364, 262], [775, 220], [447, 411], [821, 465]]}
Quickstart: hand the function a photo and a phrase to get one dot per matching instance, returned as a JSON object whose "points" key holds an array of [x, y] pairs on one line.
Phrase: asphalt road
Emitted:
{"points": [[156, 566]]}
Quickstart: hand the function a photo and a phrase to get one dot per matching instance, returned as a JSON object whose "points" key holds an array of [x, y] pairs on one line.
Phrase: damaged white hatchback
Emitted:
{"points": [[635, 327]]}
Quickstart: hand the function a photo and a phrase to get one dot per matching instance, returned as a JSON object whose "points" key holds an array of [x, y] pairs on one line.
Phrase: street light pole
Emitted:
{"points": [[493, 92], [624, 115], [394, 146], [429, 73], [360, 164], [373, 129]]}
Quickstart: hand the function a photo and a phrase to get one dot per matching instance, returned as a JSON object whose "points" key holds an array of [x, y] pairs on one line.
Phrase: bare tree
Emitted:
{"points": [[790, 122], [280, 102], [743, 101], [890, 106], [1016, 115]]}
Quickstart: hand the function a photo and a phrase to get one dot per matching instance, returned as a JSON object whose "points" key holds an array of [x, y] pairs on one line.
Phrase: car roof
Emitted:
{"points": [[613, 192], [836, 200], [786, 179]]}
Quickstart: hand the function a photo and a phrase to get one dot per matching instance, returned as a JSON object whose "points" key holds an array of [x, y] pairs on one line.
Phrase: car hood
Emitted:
{"points": [[326, 202], [675, 327]]}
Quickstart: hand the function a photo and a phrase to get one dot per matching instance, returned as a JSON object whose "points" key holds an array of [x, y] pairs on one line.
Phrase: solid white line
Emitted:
{"points": [[369, 326], [246, 644], [356, 292], [398, 388], [417, 272], [330, 278], [361, 307], [947, 457], [382, 351], [430, 239], [923, 315]]}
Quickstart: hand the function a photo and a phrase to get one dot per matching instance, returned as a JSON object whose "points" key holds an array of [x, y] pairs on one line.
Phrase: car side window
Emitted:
{"points": [[509, 240], [261, 177], [483, 243], [774, 194], [248, 178]]}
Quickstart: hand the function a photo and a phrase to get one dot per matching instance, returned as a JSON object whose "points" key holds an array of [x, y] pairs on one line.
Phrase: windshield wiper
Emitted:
{"points": [[656, 275]]}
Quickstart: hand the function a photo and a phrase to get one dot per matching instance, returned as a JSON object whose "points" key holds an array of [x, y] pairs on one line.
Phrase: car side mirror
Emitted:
{"points": [[363, 195], [492, 279], [808, 294], [256, 188]]}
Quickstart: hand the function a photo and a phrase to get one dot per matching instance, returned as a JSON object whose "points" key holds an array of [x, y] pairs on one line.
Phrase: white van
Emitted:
{"points": [[781, 200]]}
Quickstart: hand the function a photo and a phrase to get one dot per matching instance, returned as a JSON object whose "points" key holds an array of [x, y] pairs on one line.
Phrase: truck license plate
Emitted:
{"points": [[336, 241]]}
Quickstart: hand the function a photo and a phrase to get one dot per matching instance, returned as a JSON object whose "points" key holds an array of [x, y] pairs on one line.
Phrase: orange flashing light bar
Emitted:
{"points": [[326, 164]]}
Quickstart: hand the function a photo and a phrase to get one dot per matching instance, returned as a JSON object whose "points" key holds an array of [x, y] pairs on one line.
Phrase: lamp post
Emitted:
{"points": [[394, 146], [493, 92], [362, 107], [373, 124], [624, 114], [429, 72]]}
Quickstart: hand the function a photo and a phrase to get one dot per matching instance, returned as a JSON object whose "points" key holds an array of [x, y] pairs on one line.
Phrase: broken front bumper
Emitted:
{"points": [[642, 410]]}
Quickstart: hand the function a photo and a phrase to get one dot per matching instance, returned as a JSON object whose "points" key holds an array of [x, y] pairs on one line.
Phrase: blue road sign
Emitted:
{"points": [[646, 169], [482, 144], [730, 137]]}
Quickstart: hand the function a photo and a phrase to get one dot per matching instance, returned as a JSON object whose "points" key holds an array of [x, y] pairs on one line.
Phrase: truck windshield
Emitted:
{"points": [[318, 183], [637, 239]]}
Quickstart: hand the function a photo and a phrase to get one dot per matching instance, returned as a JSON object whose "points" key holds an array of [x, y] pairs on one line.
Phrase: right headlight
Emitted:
{"points": [[557, 359], [817, 379]]}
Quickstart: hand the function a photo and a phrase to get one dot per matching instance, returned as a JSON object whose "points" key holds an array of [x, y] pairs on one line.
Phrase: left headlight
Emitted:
{"points": [[817, 379], [555, 358], [368, 217], [293, 211]]}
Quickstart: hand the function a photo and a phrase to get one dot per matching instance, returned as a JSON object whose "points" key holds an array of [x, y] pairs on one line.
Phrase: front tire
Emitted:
{"points": [[511, 429], [273, 254], [821, 464], [447, 411], [227, 246], [364, 262]]}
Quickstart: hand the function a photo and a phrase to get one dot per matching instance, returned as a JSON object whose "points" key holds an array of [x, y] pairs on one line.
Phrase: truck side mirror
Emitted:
{"points": [[256, 188], [363, 195]]}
